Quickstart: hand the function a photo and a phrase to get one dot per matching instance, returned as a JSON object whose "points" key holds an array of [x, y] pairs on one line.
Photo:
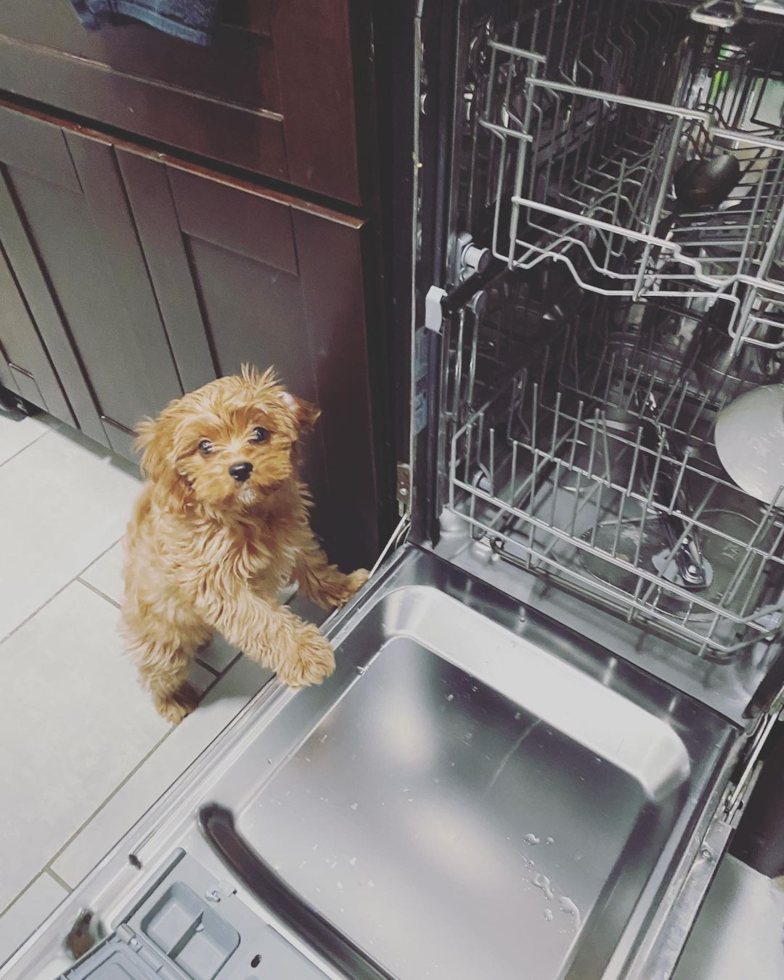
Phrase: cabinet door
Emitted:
{"points": [[72, 247], [242, 275], [25, 366], [273, 93]]}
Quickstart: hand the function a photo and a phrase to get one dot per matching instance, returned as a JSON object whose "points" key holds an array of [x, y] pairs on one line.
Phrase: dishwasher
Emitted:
{"points": [[551, 699]]}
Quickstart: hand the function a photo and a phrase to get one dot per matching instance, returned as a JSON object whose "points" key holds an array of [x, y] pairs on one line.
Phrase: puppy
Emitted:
{"points": [[220, 528]]}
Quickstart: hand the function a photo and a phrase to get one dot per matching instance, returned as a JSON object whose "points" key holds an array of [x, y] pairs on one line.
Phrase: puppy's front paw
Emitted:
{"points": [[348, 586], [357, 579], [310, 661], [177, 706]]}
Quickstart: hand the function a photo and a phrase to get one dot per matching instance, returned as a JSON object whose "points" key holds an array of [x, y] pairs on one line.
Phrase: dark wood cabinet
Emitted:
{"points": [[273, 94], [70, 240], [140, 276], [25, 367]]}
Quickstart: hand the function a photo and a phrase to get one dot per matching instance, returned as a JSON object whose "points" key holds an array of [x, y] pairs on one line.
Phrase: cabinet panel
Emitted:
{"points": [[24, 363], [72, 245], [272, 94]]}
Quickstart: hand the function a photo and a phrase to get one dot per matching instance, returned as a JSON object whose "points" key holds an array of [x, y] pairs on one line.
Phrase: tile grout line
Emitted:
{"points": [[58, 879], [101, 555], [97, 591], [35, 612], [23, 892], [216, 673], [119, 786], [62, 588], [102, 805], [27, 446]]}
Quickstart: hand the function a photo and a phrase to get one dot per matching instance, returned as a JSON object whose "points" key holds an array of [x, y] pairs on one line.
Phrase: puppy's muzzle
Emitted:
{"points": [[241, 471]]}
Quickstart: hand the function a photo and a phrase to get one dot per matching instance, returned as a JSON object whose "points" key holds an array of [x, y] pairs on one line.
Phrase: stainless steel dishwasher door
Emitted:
{"points": [[464, 802]]}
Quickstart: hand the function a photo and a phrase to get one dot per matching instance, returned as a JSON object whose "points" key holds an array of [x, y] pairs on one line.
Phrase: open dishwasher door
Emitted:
{"points": [[476, 791]]}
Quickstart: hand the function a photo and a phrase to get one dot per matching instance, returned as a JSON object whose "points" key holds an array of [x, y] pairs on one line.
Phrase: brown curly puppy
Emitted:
{"points": [[220, 528]]}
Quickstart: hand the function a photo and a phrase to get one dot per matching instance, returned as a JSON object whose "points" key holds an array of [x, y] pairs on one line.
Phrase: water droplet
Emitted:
{"points": [[324, 737], [531, 839], [469, 736], [550, 840], [355, 806], [450, 697], [548, 914], [518, 716], [315, 847], [371, 883], [568, 906], [340, 886], [543, 882], [361, 670], [353, 862]]}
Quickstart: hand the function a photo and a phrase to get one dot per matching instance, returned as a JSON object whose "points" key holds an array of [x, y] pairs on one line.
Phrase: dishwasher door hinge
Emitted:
{"points": [[404, 485], [750, 764]]}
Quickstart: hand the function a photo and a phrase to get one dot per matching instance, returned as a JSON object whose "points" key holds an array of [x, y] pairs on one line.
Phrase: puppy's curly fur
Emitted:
{"points": [[206, 550]]}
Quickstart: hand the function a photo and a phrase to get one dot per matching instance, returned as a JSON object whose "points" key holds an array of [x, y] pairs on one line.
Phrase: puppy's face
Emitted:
{"points": [[228, 445]]}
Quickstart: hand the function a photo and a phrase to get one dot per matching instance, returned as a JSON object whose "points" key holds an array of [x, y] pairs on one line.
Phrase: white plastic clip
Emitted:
{"points": [[433, 314]]}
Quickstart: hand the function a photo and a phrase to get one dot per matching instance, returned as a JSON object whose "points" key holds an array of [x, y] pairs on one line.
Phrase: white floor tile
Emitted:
{"points": [[15, 435], [219, 654], [201, 678], [62, 505], [160, 770], [106, 574], [740, 929], [27, 913], [73, 724]]}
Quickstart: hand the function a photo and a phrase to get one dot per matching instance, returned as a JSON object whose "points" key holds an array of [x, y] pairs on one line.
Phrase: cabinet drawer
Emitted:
{"points": [[273, 93]]}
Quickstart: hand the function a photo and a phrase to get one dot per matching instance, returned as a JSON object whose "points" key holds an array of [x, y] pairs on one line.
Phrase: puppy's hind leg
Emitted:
{"points": [[163, 656]]}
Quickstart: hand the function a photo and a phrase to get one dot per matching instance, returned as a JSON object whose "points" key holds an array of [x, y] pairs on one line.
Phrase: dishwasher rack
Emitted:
{"points": [[583, 114], [552, 471], [590, 373]]}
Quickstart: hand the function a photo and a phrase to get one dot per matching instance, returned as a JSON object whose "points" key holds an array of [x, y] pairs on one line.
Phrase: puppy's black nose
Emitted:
{"points": [[241, 471]]}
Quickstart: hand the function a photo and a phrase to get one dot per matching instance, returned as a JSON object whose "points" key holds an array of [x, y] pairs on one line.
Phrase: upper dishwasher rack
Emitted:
{"points": [[581, 129]]}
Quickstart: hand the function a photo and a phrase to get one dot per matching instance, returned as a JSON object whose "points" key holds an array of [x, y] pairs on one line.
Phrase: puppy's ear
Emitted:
{"points": [[304, 414], [155, 440]]}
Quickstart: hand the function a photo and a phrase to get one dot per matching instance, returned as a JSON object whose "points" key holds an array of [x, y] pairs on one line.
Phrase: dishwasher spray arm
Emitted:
{"points": [[282, 902]]}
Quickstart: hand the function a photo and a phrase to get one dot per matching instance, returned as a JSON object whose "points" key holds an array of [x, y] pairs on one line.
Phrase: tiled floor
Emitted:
{"points": [[82, 752]]}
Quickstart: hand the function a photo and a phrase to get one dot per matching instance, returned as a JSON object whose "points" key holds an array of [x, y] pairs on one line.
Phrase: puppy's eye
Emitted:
{"points": [[205, 447], [259, 434]]}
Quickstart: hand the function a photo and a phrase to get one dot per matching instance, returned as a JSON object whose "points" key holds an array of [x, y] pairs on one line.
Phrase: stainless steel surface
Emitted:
{"points": [[446, 868], [739, 929]]}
